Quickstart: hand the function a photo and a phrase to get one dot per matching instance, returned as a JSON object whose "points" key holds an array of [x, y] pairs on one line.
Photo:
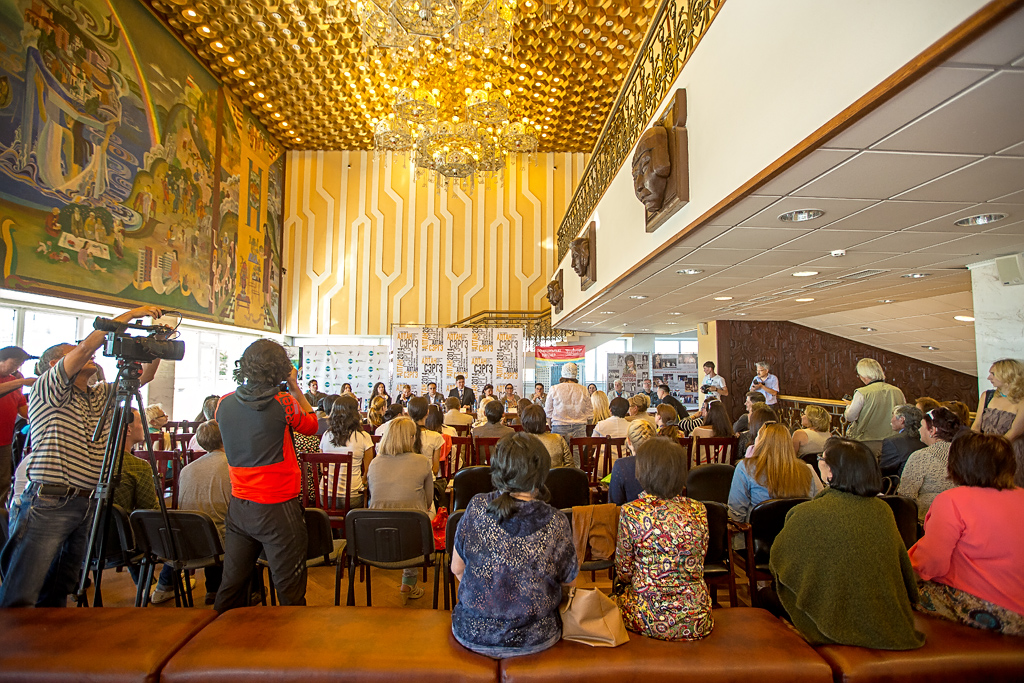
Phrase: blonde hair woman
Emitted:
{"points": [[773, 471], [375, 415], [1001, 410], [599, 400], [816, 423], [624, 486], [399, 478]]}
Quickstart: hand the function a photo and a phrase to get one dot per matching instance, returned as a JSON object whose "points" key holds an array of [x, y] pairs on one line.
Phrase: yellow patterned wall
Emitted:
{"points": [[367, 244]]}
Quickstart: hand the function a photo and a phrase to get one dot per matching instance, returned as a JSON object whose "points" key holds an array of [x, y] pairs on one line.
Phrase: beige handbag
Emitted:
{"points": [[592, 618]]}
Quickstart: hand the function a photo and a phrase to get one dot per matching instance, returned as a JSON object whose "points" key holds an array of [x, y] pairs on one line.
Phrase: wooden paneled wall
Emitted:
{"points": [[367, 243], [819, 365]]}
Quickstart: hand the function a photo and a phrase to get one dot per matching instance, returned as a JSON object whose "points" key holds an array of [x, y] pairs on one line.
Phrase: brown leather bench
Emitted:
{"points": [[315, 644], [745, 645], [952, 652], [105, 644]]}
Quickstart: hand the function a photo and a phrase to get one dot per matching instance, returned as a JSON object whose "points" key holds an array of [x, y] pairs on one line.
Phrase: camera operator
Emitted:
{"points": [[713, 384], [43, 558], [256, 422]]}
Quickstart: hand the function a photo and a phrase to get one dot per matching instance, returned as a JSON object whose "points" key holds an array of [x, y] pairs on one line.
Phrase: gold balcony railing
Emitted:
{"points": [[675, 30]]}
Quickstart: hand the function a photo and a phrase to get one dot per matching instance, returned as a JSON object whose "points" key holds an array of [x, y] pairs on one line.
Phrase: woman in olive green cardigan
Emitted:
{"points": [[841, 568]]}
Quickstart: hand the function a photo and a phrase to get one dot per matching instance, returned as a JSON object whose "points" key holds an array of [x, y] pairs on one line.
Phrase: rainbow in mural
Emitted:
{"points": [[123, 167]]}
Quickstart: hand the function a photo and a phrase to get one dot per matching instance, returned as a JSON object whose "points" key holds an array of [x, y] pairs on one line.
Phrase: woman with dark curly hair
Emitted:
{"points": [[379, 389], [925, 474], [264, 514], [346, 435]]}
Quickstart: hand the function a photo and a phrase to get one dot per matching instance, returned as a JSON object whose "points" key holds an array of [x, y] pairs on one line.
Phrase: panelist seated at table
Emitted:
{"points": [[462, 392]]}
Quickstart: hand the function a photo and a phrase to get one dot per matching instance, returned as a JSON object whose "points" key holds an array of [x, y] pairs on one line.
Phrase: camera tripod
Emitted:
{"points": [[119, 402]]}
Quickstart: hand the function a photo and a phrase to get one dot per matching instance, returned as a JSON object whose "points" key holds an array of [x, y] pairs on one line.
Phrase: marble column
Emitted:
{"points": [[998, 318]]}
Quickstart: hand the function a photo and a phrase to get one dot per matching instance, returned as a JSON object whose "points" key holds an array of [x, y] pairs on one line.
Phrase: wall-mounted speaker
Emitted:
{"points": [[702, 328], [1011, 269]]}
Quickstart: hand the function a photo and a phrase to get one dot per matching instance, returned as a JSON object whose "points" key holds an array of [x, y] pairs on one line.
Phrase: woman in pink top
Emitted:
{"points": [[971, 558]]}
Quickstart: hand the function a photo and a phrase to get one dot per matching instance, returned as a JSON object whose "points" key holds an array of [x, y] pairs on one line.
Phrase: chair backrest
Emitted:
{"points": [[181, 440], [191, 456], [518, 427], [378, 537], [461, 455], [720, 450], [590, 429], [687, 443], [195, 535], [332, 490], [767, 520], [375, 438], [569, 487], [614, 450], [589, 449], [319, 539], [718, 532], [905, 511], [168, 466], [449, 531], [710, 483], [119, 546], [4, 516], [468, 482], [482, 447], [462, 430]]}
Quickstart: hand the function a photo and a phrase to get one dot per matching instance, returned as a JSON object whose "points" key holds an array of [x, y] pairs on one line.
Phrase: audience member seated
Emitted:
{"points": [[394, 410], [1001, 409], [591, 388], [689, 423], [665, 396], [809, 441], [638, 405], [375, 415], [667, 421], [773, 472], [624, 486], [535, 422], [454, 415], [925, 474], [840, 566], [717, 423], [539, 396], [521, 407], [971, 558], [406, 396], [492, 428], [513, 552], [399, 478], [156, 418], [759, 416], [906, 420], [926, 404], [346, 435], [209, 410], [135, 489], [438, 425], [871, 409], [662, 540], [599, 400], [616, 425], [204, 485], [960, 409], [488, 391], [428, 442], [510, 399], [742, 423]]}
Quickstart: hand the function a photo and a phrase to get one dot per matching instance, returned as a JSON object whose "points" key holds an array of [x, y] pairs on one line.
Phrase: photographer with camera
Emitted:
{"points": [[49, 533], [713, 384], [256, 423]]}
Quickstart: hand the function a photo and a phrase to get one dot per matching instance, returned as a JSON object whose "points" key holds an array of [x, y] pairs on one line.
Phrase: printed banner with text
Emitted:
{"points": [[484, 355], [550, 359]]}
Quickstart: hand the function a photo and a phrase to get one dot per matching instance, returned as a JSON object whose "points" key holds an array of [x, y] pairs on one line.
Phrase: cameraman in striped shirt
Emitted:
{"points": [[42, 561]]}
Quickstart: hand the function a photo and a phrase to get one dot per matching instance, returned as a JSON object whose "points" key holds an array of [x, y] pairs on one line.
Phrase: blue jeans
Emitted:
{"points": [[42, 560], [569, 432]]}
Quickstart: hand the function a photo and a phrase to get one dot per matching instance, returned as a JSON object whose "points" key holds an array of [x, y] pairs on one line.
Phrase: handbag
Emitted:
{"points": [[592, 618]]}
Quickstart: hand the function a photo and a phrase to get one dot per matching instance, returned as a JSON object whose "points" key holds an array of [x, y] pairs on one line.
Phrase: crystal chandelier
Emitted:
{"points": [[401, 24]]}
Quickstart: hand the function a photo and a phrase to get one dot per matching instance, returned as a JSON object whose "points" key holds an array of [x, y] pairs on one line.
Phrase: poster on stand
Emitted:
{"points": [[333, 366], [631, 368], [550, 359], [484, 355], [679, 372]]}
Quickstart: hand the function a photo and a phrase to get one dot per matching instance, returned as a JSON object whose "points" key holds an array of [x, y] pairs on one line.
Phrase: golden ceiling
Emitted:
{"points": [[301, 66]]}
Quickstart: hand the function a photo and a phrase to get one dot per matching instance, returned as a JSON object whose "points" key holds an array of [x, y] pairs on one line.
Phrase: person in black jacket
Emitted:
{"points": [[665, 397], [906, 420], [462, 392]]}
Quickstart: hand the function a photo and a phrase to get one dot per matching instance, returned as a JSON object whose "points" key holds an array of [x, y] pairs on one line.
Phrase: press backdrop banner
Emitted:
{"points": [[484, 355], [550, 359], [332, 366], [631, 368], [679, 372]]}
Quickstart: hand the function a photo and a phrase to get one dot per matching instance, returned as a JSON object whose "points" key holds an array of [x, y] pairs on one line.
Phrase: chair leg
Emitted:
{"points": [[337, 582], [271, 589], [179, 589], [351, 583], [437, 577], [369, 600], [445, 570], [188, 589]]}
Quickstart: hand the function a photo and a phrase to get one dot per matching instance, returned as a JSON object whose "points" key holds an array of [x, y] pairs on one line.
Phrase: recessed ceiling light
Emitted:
{"points": [[805, 273], [801, 215], [916, 276], [803, 301], [689, 271], [886, 301], [741, 314], [605, 312], [838, 252], [869, 329], [586, 322], [644, 329], [930, 348], [980, 219], [674, 313], [671, 323], [723, 298], [964, 318], [638, 296]]}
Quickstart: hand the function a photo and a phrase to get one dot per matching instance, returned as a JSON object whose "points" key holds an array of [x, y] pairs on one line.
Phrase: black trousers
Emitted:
{"points": [[279, 530]]}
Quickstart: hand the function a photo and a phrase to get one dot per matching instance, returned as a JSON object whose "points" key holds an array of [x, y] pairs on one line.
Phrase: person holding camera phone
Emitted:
{"points": [[766, 383], [713, 384], [256, 422], [42, 560]]}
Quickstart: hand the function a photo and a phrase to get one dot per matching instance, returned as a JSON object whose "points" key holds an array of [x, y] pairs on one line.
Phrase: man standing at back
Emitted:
{"points": [[256, 423], [665, 396], [12, 404]]}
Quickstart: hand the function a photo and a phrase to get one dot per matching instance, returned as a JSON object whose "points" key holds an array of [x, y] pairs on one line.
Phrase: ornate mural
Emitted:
{"points": [[129, 174]]}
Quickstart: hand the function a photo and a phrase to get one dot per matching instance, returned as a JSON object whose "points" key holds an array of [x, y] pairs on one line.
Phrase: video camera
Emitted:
{"points": [[142, 349]]}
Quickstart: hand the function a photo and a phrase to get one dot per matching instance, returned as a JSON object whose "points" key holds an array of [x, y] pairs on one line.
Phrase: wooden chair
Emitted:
{"points": [[687, 443], [462, 430], [190, 457], [717, 450], [591, 449], [333, 485], [168, 467], [482, 447], [590, 430], [181, 440], [461, 454]]}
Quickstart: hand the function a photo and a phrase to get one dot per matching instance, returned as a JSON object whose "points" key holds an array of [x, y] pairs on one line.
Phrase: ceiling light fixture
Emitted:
{"points": [[605, 312], [980, 219], [638, 296], [930, 348], [805, 273], [869, 329], [674, 313], [723, 298], [886, 301], [689, 271], [964, 318], [916, 276], [801, 215], [586, 322], [803, 301], [837, 253]]}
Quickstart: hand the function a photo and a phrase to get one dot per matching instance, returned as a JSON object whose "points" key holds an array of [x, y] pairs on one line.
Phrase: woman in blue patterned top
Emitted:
{"points": [[513, 552]]}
